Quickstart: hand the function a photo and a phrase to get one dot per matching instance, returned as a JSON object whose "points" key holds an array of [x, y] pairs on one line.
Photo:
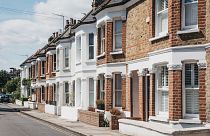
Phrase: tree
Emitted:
{"points": [[13, 85], [4, 77]]}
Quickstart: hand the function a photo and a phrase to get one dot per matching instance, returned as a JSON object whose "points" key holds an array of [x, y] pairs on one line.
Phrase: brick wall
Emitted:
{"points": [[141, 98], [202, 94], [93, 118], [41, 107], [152, 95], [175, 94], [138, 31], [123, 93], [50, 93], [108, 93], [208, 84]]}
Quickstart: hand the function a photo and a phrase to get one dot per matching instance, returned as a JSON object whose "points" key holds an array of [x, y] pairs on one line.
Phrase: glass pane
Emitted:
{"points": [[192, 101], [188, 77], [164, 22], [195, 75], [67, 98], [118, 82], [91, 39], [66, 87], [118, 41], [66, 62], [118, 26], [164, 101], [91, 52], [191, 14], [189, 1], [118, 98]]}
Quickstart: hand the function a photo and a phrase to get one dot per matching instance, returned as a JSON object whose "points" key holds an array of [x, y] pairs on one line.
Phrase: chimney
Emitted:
{"points": [[67, 24], [56, 34]]}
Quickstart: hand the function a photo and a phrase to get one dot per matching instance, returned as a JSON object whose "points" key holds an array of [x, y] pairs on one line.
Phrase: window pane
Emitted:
{"points": [[66, 87], [164, 101], [189, 1], [91, 39], [118, 82], [192, 101], [191, 14], [91, 92], [118, 98], [195, 75], [118, 41], [188, 77], [91, 52], [118, 26]]}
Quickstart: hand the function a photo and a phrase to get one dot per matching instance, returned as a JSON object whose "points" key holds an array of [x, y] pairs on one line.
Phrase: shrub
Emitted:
{"points": [[90, 108], [100, 104], [115, 112]]}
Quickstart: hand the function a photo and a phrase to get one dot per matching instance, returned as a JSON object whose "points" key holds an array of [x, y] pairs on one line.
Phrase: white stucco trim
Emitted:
{"points": [[51, 52], [41, 59], [110, 68]]}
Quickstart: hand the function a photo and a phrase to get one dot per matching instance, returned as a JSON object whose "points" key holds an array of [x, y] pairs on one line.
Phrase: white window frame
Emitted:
{"points": [[115, 90], [78, 49], [43, 68], [183, 16], [157, 22], [91, 45], [57, 59], [66, 93], [185, 115], [102, 87], [102, 39], [114, 34], [159, 91], [66, 57], [91, 92]]}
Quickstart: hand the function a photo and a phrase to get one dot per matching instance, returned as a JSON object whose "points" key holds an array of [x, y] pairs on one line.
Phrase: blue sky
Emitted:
{"points": [[23, 34]]}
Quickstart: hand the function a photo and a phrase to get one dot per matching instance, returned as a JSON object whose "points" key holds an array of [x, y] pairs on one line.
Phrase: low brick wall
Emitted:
{"points": [[93, 118], [114, 124], [208, 84], [41, 107]]}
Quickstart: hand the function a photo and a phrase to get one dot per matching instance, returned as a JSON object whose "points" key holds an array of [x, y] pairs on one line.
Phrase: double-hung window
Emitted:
{"points": [[57, 58], [91, 92], [191, 89], [66, 57], [163, 90], [91, 46], [78, 49], [190, 14], [118, 35], [161, 27], [66, 91], [102, 39], [43, 68], [54, 62], [117, 90], [102, 86]]}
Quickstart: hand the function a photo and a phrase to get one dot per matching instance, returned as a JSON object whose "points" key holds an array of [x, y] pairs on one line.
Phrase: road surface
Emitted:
{"points": [[13, 123]]}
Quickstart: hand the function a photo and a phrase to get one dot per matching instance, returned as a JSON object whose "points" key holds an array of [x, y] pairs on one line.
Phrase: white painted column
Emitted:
{"points": [[60, 103], [61, 59], [78, 93], [95, 90]]}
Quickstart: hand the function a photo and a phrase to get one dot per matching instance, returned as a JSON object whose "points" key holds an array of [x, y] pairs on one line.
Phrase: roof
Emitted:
{"points": [[109, 3]]}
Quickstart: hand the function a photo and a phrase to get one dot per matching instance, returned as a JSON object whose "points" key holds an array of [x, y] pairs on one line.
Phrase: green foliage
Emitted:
{"points": [[12, 85], [15, 95], [106, 122], [4, 77], [26, 83]]}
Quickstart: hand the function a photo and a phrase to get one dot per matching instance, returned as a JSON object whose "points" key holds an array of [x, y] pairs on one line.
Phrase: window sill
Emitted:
{"points": [[42, 76], [188, 31], [159, 118], [78, 63], [99, 56], [116, 52], [90, 61], [187, 121], [159, 37], [66, 69]]}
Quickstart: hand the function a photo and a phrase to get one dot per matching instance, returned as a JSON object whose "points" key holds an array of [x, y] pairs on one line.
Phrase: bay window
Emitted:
{"points": [[54, 62], [91, 92], [43, 68], [117, 35], [163, 90], [78, 50], [191, 89], [66, 91], [66, 57], [101, 37], [101, 87], [91, 46], [117, 90], [161, 26], [190, 14]]}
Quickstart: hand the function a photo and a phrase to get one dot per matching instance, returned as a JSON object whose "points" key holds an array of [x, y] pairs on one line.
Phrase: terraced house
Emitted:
{"points": [[147, 58]]}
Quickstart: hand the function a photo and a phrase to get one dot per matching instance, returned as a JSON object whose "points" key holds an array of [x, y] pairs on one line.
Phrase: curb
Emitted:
{"points": [[53, 124]]}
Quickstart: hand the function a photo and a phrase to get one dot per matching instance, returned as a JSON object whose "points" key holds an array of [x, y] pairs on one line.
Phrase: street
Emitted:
{"points": [[15, 124]]}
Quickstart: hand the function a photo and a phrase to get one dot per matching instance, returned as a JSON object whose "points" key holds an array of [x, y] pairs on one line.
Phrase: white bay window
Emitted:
{"points": [[78, 50], [66, 91], [161, 27], [118, 35], [102, 87], [163, 90], [66, 57], [191, 90], [117, 90], [91, 46], [101, 37]]}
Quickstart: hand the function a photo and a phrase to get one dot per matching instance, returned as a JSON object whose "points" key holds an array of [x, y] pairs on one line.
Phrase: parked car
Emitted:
{"points": [[4, 98]]}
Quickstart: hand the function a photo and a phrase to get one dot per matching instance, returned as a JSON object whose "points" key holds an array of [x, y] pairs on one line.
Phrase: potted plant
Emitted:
{"points": [[100, 104], [92, 109]]}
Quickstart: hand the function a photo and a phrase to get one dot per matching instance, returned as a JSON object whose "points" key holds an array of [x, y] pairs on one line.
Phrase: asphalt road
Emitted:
{"points": [[13, 123]]}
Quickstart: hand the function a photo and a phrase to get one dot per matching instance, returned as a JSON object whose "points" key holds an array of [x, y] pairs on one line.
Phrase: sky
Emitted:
{"points": [[26, 25]]}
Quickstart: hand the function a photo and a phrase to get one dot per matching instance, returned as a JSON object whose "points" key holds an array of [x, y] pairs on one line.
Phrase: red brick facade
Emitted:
{"points": [[202, 94]]}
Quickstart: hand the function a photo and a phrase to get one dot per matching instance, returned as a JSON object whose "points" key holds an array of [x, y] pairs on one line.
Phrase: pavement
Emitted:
{"points": [[16, 124], [78, 127]]}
